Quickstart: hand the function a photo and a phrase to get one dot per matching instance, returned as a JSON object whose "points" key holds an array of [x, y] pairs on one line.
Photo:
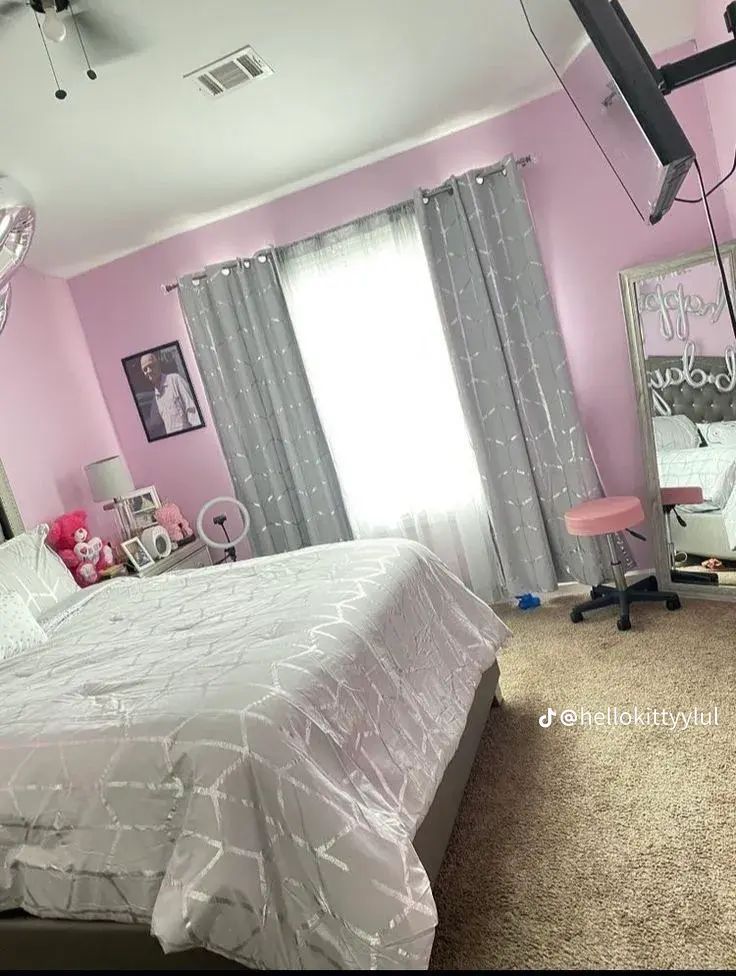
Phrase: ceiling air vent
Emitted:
{"points": [[233, 71]]}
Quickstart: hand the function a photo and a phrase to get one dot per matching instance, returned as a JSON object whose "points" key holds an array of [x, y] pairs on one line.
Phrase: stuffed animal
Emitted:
{"points": [[170, 518], [84, 555]]}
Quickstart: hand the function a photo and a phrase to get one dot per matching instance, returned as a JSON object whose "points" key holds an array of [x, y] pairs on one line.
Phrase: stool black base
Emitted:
{"points": [[644, 591]]}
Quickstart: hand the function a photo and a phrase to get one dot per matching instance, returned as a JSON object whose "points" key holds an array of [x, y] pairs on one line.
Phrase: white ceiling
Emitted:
{"points": [[140, 154]]}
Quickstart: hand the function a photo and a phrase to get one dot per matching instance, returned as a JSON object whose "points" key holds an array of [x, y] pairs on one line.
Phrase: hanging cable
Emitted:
{"points": [[60, 93], [716, 249], [91, 73], [713, 189]]}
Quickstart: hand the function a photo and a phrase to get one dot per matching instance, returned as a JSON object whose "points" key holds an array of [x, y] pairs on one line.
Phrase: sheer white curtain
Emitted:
{"points": [[367, 324]]}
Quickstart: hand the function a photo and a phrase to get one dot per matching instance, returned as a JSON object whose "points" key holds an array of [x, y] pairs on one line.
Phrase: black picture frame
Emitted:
{"points": [[171, 362]]}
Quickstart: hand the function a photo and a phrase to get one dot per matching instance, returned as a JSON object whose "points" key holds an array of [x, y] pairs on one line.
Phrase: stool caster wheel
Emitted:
{"points": [[623, 623], [673, 603], [576, 616]]}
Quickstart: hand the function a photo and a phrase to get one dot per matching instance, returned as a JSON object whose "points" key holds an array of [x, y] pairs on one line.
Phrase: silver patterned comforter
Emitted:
{"points": [[240, 756]]}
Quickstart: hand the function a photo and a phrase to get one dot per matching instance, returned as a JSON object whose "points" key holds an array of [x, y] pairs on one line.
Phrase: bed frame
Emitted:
{"points": [[27, 942]]}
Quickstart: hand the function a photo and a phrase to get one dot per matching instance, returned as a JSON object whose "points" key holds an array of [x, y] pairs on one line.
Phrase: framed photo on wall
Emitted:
{"points": [[162, 389]]}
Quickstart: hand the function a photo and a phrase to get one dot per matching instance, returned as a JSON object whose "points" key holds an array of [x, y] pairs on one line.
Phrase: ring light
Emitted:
{"points": [[218, 501]]}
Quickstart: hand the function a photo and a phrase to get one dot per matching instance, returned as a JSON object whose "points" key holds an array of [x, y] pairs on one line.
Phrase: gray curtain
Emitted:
{"points": [[262, 406], [512, 374]]}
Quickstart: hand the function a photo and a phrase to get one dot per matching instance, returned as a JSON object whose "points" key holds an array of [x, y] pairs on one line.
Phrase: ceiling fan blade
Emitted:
{"points": [[11, 8], [104, 40]]}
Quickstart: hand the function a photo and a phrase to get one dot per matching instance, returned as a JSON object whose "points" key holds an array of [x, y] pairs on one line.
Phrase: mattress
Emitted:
{"points": [[711, 468], [240, 755]]}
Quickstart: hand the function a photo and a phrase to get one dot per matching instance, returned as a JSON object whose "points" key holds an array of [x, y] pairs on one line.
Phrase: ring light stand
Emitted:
{"points": [[229, 545]]}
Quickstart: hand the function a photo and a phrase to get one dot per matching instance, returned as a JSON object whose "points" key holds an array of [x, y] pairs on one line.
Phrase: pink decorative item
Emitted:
{"points": [[84, 555], [170, 518], [712, 563]]}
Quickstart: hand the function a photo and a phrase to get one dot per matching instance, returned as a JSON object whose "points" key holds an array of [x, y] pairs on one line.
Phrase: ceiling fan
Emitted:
{"points": [[105, 40]]}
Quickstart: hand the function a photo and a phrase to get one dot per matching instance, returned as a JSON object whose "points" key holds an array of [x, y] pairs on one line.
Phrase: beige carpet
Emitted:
{"points": [[602, 847]]}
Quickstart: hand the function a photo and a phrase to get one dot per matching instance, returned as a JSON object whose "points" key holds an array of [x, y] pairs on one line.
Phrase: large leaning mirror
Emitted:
{"points": [[683, 354]]}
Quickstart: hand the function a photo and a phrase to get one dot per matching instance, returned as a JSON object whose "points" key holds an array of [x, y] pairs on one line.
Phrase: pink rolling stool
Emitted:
{"points": [[671, 498], [607, 516]]}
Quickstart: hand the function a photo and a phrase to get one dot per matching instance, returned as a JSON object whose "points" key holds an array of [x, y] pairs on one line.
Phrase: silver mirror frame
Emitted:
{"points": [[9, 504], [628, 280]]}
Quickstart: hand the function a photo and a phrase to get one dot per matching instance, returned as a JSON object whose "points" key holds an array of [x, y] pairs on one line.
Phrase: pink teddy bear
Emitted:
{"points": [[170, 518], [83, 554]]}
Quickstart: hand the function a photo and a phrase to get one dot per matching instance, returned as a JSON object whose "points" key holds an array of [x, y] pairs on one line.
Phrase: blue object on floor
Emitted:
{"points": [[527, 601]]}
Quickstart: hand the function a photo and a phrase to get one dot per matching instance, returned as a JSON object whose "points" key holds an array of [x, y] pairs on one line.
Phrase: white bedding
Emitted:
{"points": [[711, 468], [241, 755]]}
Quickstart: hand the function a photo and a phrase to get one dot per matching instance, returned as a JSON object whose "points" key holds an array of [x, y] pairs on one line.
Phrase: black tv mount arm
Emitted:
{"points": [[695, 67]]}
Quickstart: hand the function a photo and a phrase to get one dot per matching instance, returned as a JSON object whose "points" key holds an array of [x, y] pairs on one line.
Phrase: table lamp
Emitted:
{"points": [[109, 481]]}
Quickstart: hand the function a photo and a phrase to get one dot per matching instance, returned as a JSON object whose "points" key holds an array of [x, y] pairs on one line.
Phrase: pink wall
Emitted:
{"points": [[53, 419], [720, 91], [587, 230]]}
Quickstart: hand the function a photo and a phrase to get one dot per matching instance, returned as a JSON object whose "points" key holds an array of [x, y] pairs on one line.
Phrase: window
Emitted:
{"points": [[366, 319]]}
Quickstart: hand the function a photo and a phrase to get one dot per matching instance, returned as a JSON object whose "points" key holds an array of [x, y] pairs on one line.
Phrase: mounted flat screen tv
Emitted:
{"points": [[615, 86]]}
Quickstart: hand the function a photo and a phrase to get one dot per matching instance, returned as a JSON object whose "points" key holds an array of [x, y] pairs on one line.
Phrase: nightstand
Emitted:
{"points": [[191, 555]]}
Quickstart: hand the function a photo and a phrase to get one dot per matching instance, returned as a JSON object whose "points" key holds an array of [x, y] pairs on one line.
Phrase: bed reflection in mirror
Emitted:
{"points": [[684, 352]]}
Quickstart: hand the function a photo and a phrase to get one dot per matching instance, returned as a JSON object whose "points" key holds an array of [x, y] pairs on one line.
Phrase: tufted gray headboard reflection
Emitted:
{"points": [[703, 388]]}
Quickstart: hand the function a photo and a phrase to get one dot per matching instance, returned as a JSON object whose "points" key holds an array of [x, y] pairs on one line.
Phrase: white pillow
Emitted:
{"points": [[675, 433], [29, 567], [19, 630], [721, 433]]}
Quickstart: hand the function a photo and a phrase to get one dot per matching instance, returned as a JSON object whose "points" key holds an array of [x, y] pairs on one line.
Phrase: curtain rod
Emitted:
{"points": [[173, 285], [479, 175], [445, 187]]}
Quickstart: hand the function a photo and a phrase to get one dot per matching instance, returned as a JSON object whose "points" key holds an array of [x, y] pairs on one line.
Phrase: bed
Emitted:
{"points": [[259, 764], [701, 389], [710, 527]]}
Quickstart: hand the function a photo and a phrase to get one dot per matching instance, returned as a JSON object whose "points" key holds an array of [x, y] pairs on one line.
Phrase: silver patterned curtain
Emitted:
{"points": [[262, 406], [512, 374]]}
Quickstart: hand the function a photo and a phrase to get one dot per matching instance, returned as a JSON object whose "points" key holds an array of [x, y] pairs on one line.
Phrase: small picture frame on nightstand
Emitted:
{"points": [[140, 508], [138, 556]]}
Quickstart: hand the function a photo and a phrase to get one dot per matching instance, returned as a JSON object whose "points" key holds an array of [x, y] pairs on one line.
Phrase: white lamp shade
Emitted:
{"points": [[109, 478]]}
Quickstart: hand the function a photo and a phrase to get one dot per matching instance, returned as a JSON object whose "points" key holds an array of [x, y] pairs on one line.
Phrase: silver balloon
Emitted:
{"points": [[4, 305], [17, 223]]}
